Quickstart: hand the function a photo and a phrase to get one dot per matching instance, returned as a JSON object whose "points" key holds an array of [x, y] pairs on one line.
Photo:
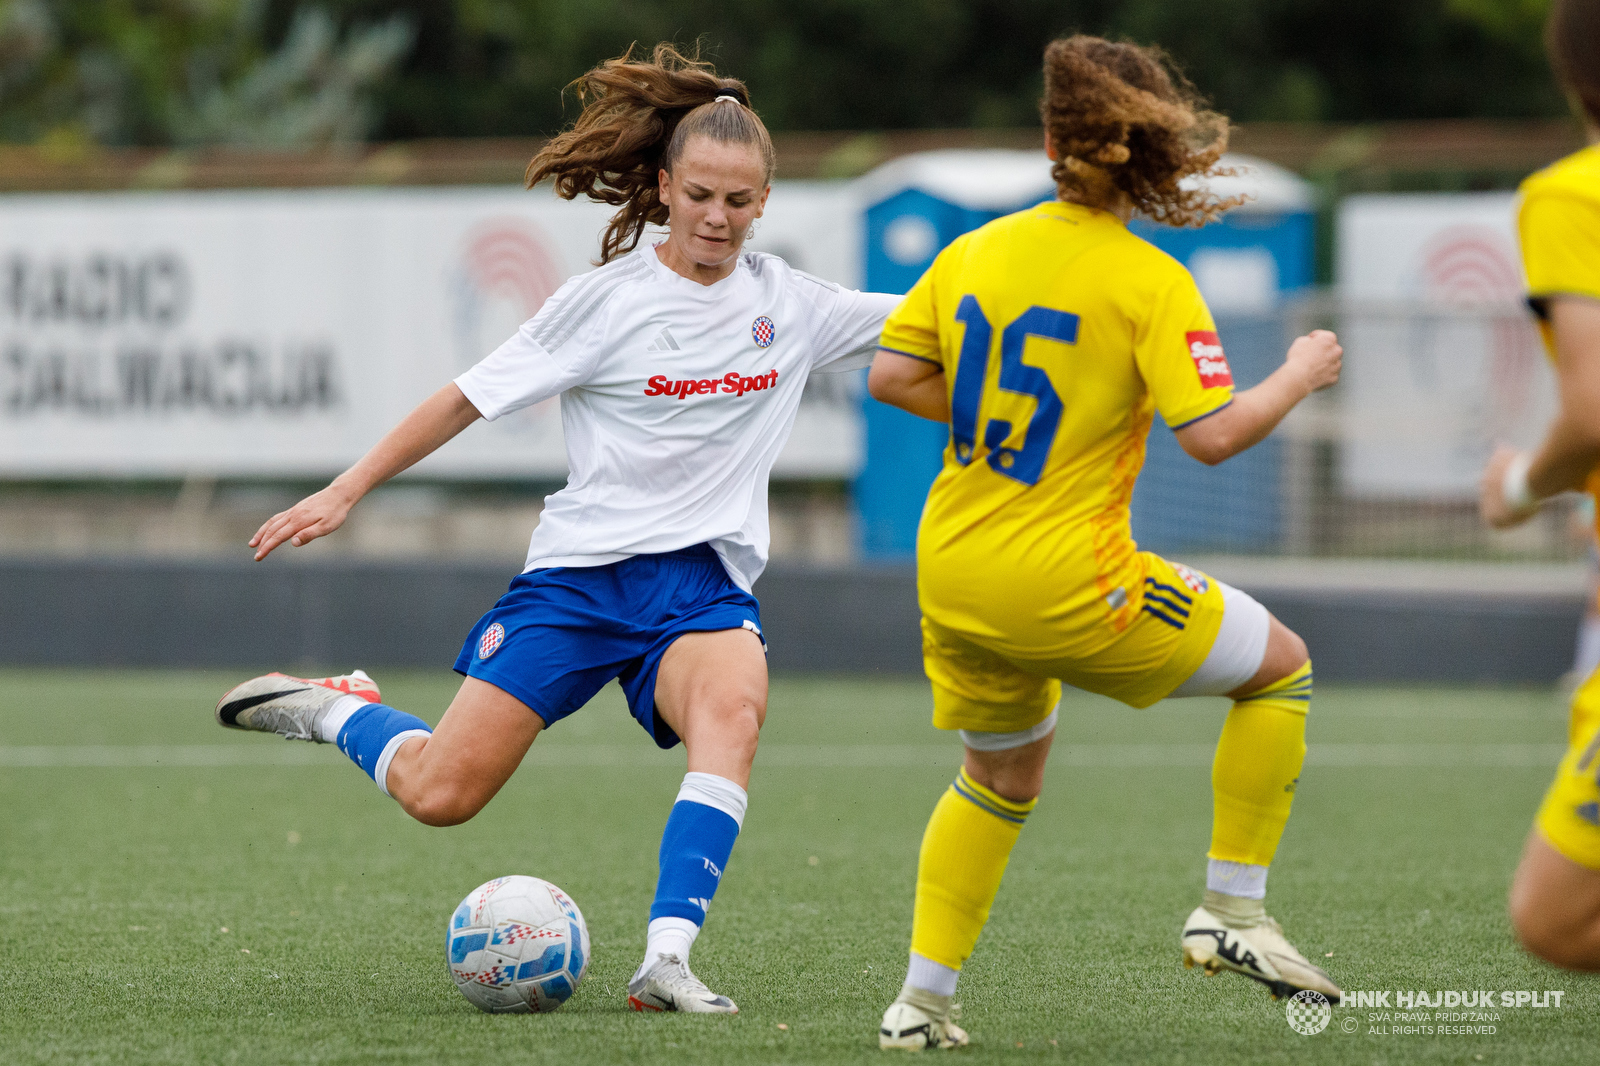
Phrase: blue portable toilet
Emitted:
{"points": [[916, 205], [1245, 265]]}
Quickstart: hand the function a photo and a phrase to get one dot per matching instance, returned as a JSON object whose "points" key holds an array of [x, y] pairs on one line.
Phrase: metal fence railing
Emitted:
{"points": [[1384, 464]]}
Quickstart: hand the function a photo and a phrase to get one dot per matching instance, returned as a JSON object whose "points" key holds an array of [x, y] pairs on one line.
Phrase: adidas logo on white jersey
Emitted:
{"points": [[663, 342]]}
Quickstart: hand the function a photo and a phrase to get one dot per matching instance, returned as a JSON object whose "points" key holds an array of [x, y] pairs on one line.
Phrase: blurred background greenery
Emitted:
{"points": [[289, 74]]}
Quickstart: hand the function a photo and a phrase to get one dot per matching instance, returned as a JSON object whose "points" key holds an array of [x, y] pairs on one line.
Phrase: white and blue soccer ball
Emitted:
{"points": [[517, 944]]}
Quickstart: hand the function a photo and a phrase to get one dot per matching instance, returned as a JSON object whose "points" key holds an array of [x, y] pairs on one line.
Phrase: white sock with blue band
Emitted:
{"points": [[700, 833], [370, 734], [330, 724]]}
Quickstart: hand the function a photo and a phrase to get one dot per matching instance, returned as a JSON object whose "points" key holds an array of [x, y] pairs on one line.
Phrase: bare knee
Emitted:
{"points": [[1294, 650], [1555, 908], [1530, 927], [757, 704], [442, 806], [1286, 652], [721, 732], [1568, 948], [738, 721], [1015, 774], [1544, 931], [1017, 784]]}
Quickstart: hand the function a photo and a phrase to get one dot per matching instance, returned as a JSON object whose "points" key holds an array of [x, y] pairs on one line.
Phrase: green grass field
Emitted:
{"points": [[175, 893]]}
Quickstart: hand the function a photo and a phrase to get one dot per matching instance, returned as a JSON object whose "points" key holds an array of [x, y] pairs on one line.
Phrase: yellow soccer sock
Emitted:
{"points": [[964, 853], [1257, 766]]}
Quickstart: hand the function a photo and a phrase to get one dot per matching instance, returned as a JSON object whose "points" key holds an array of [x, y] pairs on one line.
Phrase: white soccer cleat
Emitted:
{"points": [[1260, 952], [907, 1027], [668, 985], [291, 706]]}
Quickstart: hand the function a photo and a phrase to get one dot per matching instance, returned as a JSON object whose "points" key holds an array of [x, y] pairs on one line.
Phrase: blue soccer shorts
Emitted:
{"points": [[559, 634]]}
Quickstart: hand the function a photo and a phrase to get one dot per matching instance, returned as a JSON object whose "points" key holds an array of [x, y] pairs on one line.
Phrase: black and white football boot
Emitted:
{"points": [[1259, 952], [917, 1021]]}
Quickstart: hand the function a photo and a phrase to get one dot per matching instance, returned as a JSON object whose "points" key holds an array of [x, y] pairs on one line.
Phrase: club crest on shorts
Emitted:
{"points": [[764, 332], [1193, 578], [491, 640]]}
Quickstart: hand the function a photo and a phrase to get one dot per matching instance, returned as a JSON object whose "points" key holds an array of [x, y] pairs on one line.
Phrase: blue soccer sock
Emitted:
{"points": [[371, 734], [705, 821]]}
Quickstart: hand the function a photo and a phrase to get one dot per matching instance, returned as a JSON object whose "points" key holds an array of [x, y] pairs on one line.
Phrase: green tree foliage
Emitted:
{"points": [[496, 66], [291, 72], [188, 72]]}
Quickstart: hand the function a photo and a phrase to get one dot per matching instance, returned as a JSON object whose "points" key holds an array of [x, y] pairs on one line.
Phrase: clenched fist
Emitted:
{"points": [[1317, 357]]}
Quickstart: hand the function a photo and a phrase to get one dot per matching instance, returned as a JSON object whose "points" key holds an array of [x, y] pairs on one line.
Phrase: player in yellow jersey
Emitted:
{"points": [[1555, 899], [1048, 339]]}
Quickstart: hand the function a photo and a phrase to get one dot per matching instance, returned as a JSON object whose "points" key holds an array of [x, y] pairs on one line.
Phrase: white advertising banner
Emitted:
{"points": [[280, 334], [1441, 356]]}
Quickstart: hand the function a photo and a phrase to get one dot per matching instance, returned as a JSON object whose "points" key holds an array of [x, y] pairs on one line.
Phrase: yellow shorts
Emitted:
{"points": [[1569, 817], [977, 688]]}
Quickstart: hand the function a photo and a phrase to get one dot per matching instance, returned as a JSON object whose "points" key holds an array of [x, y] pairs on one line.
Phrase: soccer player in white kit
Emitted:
{"points": [[680, 367]]}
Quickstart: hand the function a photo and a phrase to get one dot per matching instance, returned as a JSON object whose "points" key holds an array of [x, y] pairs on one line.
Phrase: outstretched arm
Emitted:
{"points": [[909, 383], [1571, 448], [421, 433], [1312, 363]]}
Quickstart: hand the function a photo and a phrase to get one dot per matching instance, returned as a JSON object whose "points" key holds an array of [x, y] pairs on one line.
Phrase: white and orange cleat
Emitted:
{"points": [[291, 707]]}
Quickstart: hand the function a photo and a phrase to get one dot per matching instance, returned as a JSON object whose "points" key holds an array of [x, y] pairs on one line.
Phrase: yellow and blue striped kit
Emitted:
{"points": [[1559, 223], [1060, 335]]}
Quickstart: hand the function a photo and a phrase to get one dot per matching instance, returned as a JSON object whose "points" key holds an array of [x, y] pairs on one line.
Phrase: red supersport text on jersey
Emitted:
{"points": [[731, 382], [1205, 348]]}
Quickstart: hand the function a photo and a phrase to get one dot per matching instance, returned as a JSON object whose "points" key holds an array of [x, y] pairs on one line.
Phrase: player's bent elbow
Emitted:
{"points": [[1211, 439], [881, 385], [897, 379], [1209, 449]]}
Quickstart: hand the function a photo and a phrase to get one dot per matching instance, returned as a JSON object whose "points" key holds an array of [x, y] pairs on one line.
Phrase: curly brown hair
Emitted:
{"points": [[637, 116], [1125, 122], [1572, 38]]}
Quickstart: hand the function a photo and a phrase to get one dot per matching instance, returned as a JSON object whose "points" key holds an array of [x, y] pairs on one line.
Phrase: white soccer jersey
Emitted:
{"points": [[676, 398]]}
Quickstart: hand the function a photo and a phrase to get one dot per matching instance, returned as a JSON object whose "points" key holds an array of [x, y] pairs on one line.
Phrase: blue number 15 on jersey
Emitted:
{"points": [[1024, 464]]}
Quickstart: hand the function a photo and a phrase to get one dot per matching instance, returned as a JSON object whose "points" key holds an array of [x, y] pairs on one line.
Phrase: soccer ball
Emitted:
{"points": [[517, 944]]}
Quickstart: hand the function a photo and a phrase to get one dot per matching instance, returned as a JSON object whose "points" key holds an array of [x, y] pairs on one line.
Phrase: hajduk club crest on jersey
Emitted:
{"points": [[763, 331], [1193, 578], [492, 638]]}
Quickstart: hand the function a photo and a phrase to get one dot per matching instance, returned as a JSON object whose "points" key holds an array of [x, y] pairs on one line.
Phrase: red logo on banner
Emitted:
{"points": [[1205, 348]]}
